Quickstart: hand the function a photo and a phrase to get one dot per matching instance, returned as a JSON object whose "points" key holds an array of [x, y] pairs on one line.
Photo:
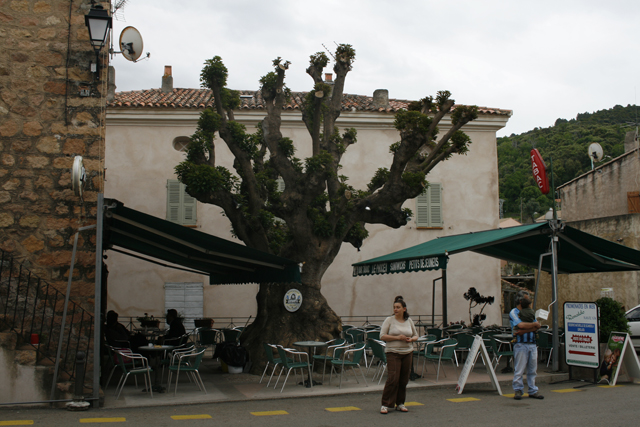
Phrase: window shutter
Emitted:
{"points": [[280, 182], [435, 206], [188, 207], [173, 200], [422, 209], [429, 207], [633, 200]]}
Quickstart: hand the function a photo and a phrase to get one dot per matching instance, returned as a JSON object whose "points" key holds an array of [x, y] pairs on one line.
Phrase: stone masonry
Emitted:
{"points": [[51, 109]]}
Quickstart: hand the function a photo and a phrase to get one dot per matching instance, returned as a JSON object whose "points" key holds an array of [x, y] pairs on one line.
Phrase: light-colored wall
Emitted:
{"points": [[603, 191], [140, 158]]}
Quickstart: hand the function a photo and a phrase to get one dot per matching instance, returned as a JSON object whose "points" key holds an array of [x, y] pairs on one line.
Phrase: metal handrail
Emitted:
{"points": [[33, 306]]}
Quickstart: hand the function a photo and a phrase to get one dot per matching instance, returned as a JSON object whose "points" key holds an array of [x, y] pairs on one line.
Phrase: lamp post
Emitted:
{"points": [[98, 22]]}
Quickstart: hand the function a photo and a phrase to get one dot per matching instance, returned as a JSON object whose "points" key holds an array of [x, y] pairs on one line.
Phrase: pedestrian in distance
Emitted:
{"points": [[399, 332], [525, 352]]}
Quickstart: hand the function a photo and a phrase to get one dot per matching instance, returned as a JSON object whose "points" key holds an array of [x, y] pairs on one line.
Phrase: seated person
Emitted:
{"points": [[117, 335], [176, 328]]}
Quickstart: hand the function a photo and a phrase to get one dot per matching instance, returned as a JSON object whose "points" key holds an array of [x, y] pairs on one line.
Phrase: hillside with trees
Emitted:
{"points": [[566, 143]]}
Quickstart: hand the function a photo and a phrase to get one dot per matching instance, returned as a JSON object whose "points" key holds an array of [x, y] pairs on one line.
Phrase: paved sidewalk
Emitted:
{"points": [[225, 387]]}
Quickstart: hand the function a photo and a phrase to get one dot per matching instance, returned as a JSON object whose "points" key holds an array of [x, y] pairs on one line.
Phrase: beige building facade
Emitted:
{"points": [[144, 134]]}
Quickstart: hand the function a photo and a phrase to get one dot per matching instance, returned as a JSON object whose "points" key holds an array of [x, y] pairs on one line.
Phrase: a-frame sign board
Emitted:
{"points": [[628, 359], [477, 348]]}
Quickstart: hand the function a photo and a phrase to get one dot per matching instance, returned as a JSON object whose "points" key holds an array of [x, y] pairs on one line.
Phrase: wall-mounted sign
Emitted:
{"points": [[581, 334], [292, 300], [539, 171]]}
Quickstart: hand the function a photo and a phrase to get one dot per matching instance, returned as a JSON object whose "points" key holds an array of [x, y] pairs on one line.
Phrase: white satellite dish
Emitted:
{"points": [[595, 153], [131, 44], [78, 176]]}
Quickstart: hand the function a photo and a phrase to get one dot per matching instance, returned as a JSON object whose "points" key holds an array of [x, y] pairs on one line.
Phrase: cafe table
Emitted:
{"points": [[420, 343], [154, 352], [311, 345]]}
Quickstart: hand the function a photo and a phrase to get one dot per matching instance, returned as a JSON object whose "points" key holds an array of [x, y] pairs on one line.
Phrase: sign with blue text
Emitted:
{"points": [[581, 334]]}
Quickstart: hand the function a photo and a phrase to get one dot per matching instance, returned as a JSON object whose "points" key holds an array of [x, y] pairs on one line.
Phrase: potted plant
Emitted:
{"points": [[205, 322], [147, 321], [612, 318]]}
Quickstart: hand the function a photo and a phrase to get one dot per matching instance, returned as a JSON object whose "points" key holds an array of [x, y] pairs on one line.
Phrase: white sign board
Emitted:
{"points": [[581, 334], [477, 346]]}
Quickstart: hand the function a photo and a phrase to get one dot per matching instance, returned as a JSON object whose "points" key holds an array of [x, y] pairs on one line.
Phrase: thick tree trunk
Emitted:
{"points": [[313, 321]]}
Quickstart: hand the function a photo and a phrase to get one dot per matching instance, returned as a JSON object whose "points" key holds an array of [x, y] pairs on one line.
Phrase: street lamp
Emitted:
{"points": [[98, 22]]}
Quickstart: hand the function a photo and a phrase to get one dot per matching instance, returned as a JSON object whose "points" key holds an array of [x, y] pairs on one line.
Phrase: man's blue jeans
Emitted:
{"points": [[525, 357]]}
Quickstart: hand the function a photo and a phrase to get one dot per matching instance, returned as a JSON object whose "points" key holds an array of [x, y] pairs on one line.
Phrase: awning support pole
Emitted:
{"points": [[97, 311], [433, 302], [554, 293], [444, 297], [535, 295]]}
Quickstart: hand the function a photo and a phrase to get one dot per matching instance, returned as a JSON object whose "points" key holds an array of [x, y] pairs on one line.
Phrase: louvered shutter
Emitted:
{"points": [[188, 207], [435, 205], [173, 200], [280, 182], [422, 209]]}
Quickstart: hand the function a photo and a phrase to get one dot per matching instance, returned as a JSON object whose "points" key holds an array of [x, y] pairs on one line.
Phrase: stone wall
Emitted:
{"points": [[586, 287], [51, 109]]}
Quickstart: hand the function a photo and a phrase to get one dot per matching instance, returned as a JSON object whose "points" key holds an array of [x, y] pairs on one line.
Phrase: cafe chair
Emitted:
{"points": [[139, 366], [426, 349], [377, 347], [114, 360], [289, 364], [329, 354], [447, 349], [465, 341], [188, 362], [275, 361], [497, 353], [355, 351], [435, 331], [544, 344], [207, 337]]}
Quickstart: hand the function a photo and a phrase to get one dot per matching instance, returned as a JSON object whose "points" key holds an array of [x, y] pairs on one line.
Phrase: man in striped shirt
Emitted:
{"points": [[525, 352]]}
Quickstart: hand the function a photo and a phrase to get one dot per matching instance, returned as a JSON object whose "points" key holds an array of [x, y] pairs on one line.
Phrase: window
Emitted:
{"points": [[429, 207], [186, 299], [180, 143], [181, 207]]}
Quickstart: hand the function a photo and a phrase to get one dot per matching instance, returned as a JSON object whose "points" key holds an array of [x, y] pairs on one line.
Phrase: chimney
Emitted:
{"points": [[328, 77], [167, 80], [380, 98]]}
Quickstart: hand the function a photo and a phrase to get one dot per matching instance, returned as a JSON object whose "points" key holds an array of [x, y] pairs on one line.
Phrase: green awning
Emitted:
{"points": [[225, 262], [578, 252]]}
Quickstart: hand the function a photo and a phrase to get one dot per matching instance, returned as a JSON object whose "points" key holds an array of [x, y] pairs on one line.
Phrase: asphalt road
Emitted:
{"points": [[563, 406]]}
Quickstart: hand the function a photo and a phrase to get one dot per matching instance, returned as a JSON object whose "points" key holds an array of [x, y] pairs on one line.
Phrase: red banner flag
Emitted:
{"points": [[539, 171]]}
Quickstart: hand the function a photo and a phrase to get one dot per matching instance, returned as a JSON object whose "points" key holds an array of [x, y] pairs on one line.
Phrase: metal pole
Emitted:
{"points": [[535, 294], [97, 302], [444, 297], [554, 295]]}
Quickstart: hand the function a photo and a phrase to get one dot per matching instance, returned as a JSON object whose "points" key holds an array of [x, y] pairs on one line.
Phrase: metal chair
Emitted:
{"points": [[435, 331], [289, 364], [465, 341], [447, 350], [545, 344], [497, 353], [329, 354], [139, 366], [188, 362], [356, 351], [275, 361], [377, 347]]}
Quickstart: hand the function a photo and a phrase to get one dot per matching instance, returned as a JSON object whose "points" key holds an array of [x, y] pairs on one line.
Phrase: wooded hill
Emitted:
{"points": [[565, 143]]}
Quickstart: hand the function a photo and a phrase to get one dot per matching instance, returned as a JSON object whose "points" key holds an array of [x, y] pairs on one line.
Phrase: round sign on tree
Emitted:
{"points": [[539, 171]]}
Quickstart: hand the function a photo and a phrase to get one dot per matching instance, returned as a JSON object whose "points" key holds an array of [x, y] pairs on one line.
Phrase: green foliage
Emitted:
{"points": [[469, 112], [566, 143], [611, 318], [414, 179], [204, 178], [412, 121], [286, 146], [381, 176], [209, 122], [357, 232], [230, 98], [345, 53], [318, 162], [214, 73], [443, 96], [319, 60], [394, 147]]}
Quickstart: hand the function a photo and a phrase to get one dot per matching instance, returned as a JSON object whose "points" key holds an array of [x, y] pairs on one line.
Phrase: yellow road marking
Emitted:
{"points": [[565, 390], [508, 395], [103, 420], [191, 417], [610, 386], [17, 423], [263, 413], [342, 409], [413, 404], [463, 399]]}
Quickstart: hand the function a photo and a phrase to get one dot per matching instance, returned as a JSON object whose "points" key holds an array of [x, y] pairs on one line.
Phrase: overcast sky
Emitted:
{"points": [[542, 59]]}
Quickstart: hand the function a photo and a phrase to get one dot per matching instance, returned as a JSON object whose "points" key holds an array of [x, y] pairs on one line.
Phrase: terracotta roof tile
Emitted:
{"points": [[251, 100]]}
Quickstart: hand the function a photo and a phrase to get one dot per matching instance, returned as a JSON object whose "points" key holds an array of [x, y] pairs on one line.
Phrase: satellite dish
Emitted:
{"points": [[78, 176], [131, 44], [595, 152]]}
